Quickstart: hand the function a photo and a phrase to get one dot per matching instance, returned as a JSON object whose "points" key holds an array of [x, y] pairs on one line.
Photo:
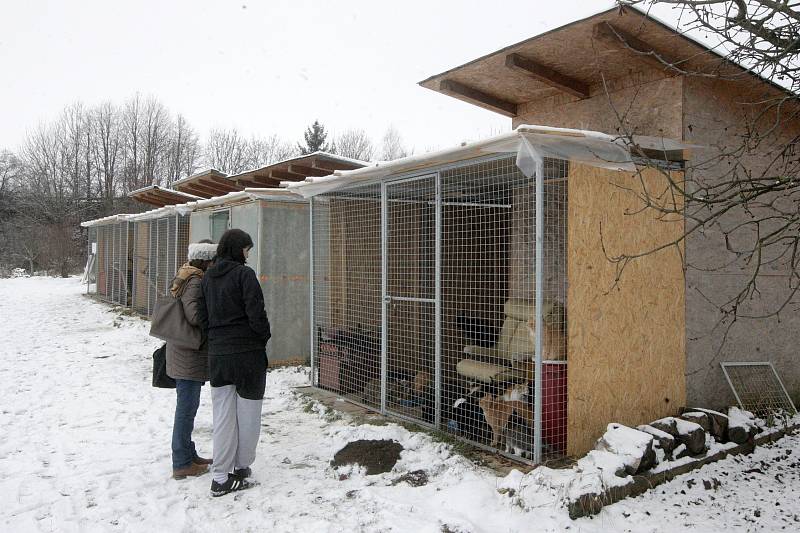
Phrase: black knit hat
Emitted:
{"points": [[232, 245]]}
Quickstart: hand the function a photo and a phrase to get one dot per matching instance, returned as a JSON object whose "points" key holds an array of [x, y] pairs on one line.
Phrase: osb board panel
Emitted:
{"points": [[717, 115], [652, 108], [625, 342]]}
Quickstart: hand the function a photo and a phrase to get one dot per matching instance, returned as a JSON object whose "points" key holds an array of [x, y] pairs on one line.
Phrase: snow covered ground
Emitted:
{"points": [[84, 446]]}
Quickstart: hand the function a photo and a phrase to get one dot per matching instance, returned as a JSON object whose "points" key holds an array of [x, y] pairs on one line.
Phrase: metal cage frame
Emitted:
{"points": [[111, 263], [433, 178], [160, 248]]}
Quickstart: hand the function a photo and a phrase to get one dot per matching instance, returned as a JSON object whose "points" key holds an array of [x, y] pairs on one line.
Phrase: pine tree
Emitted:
{"points": [[315, 136]]}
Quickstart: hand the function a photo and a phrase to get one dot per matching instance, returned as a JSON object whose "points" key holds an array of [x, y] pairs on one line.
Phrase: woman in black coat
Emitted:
{"points": [[237, 330]]}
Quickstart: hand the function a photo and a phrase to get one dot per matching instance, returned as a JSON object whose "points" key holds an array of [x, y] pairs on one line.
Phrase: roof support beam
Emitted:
{"points": [[199, 190], [220, 188], [224, 182], [258, 179], [547, 75], [479, 98], [285, 175], [622, 40], [330, 166], [307, 171]]}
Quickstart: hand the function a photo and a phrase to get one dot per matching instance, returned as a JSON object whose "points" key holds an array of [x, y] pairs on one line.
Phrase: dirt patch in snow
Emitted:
{"points": [[377, 456]]}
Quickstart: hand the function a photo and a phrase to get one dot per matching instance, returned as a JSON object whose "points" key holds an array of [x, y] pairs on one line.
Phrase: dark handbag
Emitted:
{"points": [[160, 377], [169, 324]]}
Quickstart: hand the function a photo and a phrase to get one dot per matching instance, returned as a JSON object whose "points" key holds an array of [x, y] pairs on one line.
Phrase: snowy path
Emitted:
{"points": [[84, 446]]}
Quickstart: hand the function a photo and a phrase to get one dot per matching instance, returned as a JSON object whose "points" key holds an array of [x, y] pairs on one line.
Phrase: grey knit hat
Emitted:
{"points": [[202, 251]]}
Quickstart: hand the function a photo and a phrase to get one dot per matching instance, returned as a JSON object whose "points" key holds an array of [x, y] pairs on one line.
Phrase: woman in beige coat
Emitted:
{"points": [[189, 367]]}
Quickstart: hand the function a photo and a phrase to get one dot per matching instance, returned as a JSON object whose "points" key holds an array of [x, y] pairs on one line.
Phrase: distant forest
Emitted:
{"points": [[83, 165]]}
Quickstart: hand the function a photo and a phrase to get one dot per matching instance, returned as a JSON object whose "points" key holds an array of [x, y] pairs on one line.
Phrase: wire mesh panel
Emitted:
{"points": [[489, 306], [91, 277], [424, 292], [120, 265], [172, 244], [141, 266], [758, 388], [113, 294], [347, 293], [410, 266], [103, 281], [152, 265], [182, 240], [162, 257]]}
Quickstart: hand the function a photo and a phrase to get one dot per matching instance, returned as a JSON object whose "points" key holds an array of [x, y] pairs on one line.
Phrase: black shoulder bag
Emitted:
{"points": [[160, 377]]}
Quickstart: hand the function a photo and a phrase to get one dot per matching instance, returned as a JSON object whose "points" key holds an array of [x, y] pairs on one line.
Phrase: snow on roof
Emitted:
{"points": [[528, 141], [319, 154], [164, 189], [200, 174], [248, 194], [111, 219]]}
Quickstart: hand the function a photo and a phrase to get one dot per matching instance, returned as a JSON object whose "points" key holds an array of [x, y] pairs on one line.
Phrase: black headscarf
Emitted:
{"points": [[232, 245]]}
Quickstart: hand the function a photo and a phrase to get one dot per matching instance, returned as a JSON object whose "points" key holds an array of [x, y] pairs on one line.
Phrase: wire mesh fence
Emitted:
{"points": [[424, 301], [92, 261], [112, 262], [159, 248], [758, 388]]}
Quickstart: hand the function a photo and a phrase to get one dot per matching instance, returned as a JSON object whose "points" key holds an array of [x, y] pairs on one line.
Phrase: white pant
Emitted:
{"points": [[237, 426]]}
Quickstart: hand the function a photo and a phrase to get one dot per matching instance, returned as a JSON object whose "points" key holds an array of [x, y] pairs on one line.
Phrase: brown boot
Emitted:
{"points": [[202, 461], [193, 469]]}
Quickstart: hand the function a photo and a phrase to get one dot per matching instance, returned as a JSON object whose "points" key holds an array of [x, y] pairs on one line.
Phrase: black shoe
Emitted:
{"points": [[243, 472], [233, 484]]}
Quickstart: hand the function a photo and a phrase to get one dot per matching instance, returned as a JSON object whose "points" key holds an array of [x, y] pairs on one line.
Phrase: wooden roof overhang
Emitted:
{"points": [[580, 60], [316, 164], [161, 196], [207, 184]]}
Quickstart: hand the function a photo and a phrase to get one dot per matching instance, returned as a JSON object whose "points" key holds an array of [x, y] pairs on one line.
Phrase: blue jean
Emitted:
{"points": [[188, 400]]}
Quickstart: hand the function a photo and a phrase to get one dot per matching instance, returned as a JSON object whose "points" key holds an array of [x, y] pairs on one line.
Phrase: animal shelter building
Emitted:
{"points": [[277, 220], [469, 290], [625, 72]]}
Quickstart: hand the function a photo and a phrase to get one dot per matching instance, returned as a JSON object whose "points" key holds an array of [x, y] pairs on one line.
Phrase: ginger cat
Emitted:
{"points": [[498, 409]]}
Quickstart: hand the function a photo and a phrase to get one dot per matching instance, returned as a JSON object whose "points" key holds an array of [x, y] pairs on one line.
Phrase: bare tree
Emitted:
{"points": [[182, 152], [262, 151], [10, 167], [230, 152], [131, 124], [226, 150], [392, 145], [355, 144], [745, 190], [155, 137], [107, 146]]}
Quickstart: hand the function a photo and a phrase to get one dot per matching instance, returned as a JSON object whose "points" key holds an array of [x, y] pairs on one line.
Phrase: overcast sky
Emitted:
{"points": [[263, 67]]}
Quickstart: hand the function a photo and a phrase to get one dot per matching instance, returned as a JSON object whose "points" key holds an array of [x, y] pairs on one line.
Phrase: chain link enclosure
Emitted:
{"points": [[160, 248], [112, 261], [424, 303]]}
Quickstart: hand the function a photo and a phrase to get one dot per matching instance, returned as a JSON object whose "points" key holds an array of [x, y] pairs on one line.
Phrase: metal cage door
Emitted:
{"points": [[410, 340]]}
